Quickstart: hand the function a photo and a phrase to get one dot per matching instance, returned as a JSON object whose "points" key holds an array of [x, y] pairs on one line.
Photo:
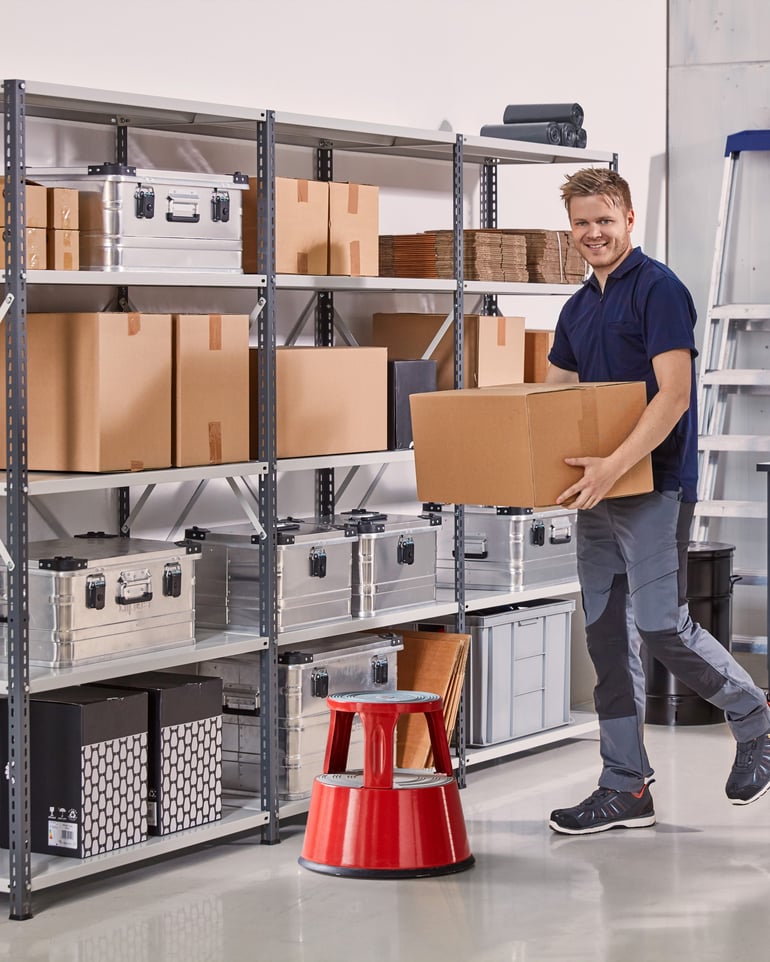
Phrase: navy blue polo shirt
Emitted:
{"points": [[645, 310]]}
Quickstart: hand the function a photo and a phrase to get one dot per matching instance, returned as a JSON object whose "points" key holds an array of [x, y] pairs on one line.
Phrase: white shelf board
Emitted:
{"points": [[209, 644], [344, 460], [45, 482], [328, 282], [145, 279], [385, 619], [477, 598], [530, 290], [580, 725], [239, 814], [479, 149]]}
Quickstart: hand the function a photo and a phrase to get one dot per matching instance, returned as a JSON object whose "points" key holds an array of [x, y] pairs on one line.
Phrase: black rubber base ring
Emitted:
{"points": [[385, 873]]}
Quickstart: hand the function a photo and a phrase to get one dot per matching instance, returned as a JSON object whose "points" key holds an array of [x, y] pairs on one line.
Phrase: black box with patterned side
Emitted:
{"points": [[184, 782], [88, 770]]}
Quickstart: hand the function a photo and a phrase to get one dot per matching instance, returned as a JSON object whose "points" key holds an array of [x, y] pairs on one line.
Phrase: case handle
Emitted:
{"points": [[188, 204]]}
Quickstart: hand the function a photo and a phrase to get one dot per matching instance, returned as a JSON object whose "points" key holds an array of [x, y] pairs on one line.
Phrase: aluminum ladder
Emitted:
{"points": [[718, 377]]}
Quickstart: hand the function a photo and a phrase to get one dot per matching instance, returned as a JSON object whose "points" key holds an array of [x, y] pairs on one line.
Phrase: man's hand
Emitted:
{"points": [[599, 475]]}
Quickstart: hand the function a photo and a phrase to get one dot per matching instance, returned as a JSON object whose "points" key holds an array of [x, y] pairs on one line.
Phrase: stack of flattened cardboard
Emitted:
{"points": [[432, 661], [552, 257], [488, 255], [409, 255]]}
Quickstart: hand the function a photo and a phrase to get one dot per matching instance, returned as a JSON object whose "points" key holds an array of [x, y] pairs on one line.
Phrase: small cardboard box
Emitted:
{"points": [[99, 392], [88, 770], [63, 208], [537, 344], [354, 229], [506, 445], [63, 250], [36, 205], [210, 418], [184, 763], [329, 400], [37, 251], [301, 226], [493, 349]]}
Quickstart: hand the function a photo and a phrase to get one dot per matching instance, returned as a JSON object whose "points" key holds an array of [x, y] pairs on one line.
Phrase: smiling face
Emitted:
{"points": [[601, 230]]}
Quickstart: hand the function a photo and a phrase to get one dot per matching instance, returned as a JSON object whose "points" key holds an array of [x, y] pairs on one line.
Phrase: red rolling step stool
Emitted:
{"points": [[385, 822]]}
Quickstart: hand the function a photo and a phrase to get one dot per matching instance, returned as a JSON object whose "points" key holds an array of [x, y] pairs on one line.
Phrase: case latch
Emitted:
{"points": [[144, 200], [537, 534], [96, 591], [319, 683], [379, 670], [172, 580], [405, 551], [317, 563], [220, 206]]}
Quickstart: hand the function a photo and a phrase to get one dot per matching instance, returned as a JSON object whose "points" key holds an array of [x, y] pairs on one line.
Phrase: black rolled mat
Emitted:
{"points": [[546, 133], [537, 113]]}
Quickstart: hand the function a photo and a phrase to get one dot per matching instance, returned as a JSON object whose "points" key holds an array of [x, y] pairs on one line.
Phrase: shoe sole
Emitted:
{"points": [[748, 801], [643, 822]]}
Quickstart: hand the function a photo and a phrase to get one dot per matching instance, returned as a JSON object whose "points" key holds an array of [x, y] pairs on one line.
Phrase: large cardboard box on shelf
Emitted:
{"points": [[354, 229], [37, 250], [99, 392], [507, 445], [493, 349], [301, 226], [88, 770], [329, 400], [35, 204], [210, 415], [537, 344]]}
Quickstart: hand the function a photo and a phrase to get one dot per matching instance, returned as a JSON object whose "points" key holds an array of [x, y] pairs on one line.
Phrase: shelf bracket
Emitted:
{"points": [[295, 332], [256, 311], [192, 501], [5, 306], [445, 325], [343, 330], [375, 481], [48, 516], [247, 509], [126, 526]]}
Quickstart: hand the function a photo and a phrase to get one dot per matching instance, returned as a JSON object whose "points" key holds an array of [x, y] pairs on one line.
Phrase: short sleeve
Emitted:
{"points": [[669, 317]]}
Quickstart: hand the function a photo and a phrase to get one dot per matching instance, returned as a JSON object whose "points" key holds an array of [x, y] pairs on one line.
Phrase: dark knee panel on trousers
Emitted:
{"points": [[682, 661], [607, 640]]}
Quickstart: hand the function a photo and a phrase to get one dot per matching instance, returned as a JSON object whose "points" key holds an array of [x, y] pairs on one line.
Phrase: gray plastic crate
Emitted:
{"points": [[519, 669]]}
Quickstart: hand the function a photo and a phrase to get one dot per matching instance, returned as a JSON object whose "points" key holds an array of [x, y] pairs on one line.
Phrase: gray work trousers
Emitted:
{"points": [[636, 548]]}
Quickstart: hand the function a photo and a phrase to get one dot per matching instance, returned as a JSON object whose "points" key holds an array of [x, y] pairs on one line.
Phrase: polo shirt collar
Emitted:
{"points": [[633, 260]]}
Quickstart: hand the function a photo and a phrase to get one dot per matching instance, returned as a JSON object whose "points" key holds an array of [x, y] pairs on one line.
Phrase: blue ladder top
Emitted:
{"points": [[747, 140]]}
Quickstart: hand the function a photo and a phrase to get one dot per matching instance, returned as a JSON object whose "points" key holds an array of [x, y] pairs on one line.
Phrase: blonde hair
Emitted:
{"points": [[593, 181]]}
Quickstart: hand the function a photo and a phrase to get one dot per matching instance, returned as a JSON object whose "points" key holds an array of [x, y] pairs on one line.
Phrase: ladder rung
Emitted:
{"points": [[731, 509], [736, 377], [734, 442], [737, 311], [756, 644]]}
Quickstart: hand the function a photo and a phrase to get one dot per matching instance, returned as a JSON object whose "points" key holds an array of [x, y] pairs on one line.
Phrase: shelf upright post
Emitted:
{"points": [[121, 157], [324, 337], [459, 368], [16, 503], [488, 191], [266, 343]]}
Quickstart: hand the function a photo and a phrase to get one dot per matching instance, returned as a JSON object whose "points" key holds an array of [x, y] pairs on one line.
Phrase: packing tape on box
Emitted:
{"points": [[352, 198], [136, 465], [588, 423], [302, 262], [501, 324], [355, 258], [215, 332], [215, 442], [134, 322], [302, 191]]}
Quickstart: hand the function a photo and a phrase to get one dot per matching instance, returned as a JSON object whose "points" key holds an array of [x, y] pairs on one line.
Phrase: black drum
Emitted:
{"points": [[709, 593]]}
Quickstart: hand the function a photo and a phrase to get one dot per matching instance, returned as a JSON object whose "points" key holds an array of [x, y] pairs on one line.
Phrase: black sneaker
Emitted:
{"points": [[750, 775], [603, 810]]}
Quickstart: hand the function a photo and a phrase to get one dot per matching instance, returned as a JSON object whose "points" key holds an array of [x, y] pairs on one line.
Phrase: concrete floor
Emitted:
{"points": [[696, 886]]}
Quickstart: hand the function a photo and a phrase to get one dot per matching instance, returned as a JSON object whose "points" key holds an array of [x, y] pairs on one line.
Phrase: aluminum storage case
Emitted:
{"points": [[394, 559], [512, 548], [306, 676], [96, 597], [154, 219], [313, 574], [519, 669]]}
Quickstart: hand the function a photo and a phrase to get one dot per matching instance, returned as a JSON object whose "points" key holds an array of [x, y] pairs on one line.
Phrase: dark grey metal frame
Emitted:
{"points": [[16, 502]]}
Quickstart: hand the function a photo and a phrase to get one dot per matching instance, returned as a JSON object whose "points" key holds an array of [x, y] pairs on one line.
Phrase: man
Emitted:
{"points": [[633, 320]]}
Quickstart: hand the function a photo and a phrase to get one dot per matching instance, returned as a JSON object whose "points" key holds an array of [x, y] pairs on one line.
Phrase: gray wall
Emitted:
{"points": [[719, 83]]}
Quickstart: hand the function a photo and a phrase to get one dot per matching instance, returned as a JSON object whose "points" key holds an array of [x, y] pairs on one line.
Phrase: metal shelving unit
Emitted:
{"points": [[20, 871]]}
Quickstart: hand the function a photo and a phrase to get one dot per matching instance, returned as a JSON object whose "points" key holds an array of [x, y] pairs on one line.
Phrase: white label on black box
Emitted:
{"points": [[62, 834]]}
